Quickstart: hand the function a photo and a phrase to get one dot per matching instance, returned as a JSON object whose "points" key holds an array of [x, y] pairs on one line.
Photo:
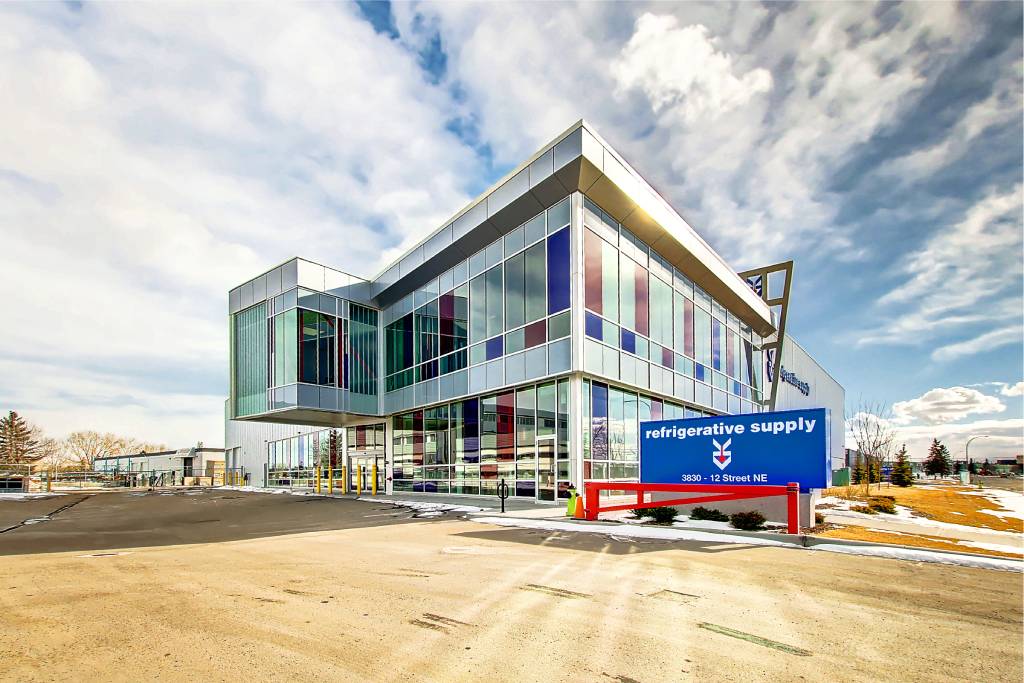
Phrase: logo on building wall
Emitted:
{"points": [[720, 455], [790, 378], [769, 364]]}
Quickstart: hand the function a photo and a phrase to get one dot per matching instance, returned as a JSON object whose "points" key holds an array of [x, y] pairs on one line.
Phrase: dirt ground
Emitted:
{"points": [[212, 586]]}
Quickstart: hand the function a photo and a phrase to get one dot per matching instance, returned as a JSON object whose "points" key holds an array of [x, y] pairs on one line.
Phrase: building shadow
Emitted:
{"points": [[604, 543]]}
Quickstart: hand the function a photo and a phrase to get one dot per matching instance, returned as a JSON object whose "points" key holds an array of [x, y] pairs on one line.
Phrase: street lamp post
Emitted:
{"points": [[967, 452]]}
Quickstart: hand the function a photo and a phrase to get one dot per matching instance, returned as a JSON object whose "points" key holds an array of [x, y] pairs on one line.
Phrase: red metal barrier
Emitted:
{"points": [[721, 492]]}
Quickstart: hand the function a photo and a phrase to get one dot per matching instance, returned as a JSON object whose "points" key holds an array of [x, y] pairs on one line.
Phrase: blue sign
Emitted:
{"points": [[757, 448]]}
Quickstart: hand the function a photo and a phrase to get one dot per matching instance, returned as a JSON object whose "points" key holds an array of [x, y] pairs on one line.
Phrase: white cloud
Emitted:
{"points": [[964, 278], [154, 157], [1013, 390], [988, 341], [941, 405], [1004, 438], [754, 176], [681, 67]]}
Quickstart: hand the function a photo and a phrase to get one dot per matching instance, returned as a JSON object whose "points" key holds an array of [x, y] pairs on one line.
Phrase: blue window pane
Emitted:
{"points": [[698, 371], [592, 325], [558, 271], [628, 341], [494, 348]]}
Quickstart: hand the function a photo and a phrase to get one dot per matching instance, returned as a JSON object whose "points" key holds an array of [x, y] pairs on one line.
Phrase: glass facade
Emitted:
{"points": [[248, 360], [678, 340], [469, 446], [478, 372], [503, 300]]}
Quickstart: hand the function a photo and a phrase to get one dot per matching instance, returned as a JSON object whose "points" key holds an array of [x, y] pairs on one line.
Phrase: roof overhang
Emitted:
{"points": [[578, 160], [312, 417]]}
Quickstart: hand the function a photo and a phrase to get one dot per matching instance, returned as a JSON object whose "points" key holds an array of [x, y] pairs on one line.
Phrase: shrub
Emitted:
{"points": [[819, 518], [708, 513], [886, 504], [748, 521], [865, 509], [661, 515]]}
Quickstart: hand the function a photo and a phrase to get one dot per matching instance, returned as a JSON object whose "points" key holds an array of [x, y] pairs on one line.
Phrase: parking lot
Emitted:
{"points": [[221, 585]]}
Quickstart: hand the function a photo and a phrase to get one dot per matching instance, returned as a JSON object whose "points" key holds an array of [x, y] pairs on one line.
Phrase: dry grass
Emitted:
{"points": [[940, 503], [857, 533]]}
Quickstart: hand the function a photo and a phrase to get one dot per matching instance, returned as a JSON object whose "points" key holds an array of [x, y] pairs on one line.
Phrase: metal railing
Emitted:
{"points": [[87, 479]]}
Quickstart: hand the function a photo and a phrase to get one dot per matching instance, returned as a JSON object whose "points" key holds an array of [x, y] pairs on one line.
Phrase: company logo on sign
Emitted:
{"points": [[790, 378], [721, 456]]}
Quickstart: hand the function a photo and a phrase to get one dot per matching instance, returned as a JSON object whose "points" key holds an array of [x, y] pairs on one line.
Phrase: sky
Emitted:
{"points": [[152, 156]]}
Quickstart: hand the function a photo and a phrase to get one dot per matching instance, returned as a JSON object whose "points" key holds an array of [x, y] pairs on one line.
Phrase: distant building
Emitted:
{"points": [[166, 466]]}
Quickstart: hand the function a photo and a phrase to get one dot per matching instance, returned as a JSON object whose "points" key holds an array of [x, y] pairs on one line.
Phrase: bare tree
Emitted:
{"points": [[85, 446], [870, 427], [53, 454]]}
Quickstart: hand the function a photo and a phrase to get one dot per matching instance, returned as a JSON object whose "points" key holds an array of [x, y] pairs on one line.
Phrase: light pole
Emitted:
{"points": [[967, 452]]}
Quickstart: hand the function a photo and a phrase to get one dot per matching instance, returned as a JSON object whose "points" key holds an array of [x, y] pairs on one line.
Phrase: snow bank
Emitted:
{"points": [[629, 531], [257, 489], [998, 547], [28, 496], [933, 556], [619, 531], [425, 507]]}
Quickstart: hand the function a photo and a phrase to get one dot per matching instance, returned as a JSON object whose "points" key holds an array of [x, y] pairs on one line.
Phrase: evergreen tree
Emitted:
{"points": [[858, 476], [902, 474], [938, 461], [18, 444], [876, 472]]}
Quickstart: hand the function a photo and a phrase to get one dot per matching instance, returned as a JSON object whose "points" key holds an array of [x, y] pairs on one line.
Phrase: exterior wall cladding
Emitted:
{"points": [[524, 340]]}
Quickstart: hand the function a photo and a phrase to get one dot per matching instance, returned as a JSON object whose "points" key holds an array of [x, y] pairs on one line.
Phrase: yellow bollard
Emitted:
{"points": [[359, 480], [344, 479], [330, 482], [374, 473], [318, 478]]}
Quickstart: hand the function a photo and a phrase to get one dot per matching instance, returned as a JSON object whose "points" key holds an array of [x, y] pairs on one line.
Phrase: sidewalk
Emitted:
{"points": [[514, 507]]}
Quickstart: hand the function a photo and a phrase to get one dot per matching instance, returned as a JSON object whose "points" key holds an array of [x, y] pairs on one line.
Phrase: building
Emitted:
{"points": [[524, 339], [185, 465]]}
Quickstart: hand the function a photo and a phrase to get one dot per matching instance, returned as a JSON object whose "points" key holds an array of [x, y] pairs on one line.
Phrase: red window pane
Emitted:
{"points": [[642, 318], [506, 441], [536, 333], [592, 271]]}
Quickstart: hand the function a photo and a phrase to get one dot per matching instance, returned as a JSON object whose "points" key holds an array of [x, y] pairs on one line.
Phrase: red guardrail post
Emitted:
{"points": [[590, 501], [793, 499]]}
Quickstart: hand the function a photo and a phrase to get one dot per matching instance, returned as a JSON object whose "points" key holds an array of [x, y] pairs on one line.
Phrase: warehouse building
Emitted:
{"points": [[524, 340]]}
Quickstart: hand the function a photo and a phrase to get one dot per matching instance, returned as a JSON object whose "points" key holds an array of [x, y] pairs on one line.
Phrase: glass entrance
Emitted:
{"points": [[545, 463], [360, 473]]}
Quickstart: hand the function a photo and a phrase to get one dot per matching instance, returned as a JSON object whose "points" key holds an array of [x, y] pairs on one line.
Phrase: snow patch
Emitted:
{"points": [[933, 556], [28, 496], [998, 547], [425, 507], [630, 531], [619, 531]]}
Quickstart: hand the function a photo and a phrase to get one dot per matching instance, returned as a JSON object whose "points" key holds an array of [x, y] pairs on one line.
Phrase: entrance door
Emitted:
{"points": [[545, 450], [366, 462]]}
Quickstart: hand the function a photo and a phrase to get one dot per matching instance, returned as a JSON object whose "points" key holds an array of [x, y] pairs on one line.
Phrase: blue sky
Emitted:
{"points": [[153, 156]]}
